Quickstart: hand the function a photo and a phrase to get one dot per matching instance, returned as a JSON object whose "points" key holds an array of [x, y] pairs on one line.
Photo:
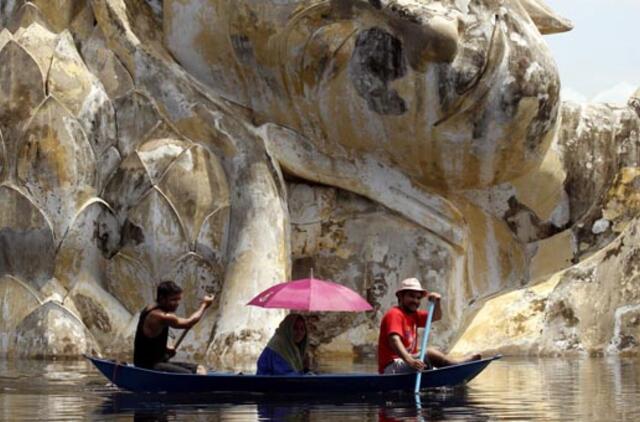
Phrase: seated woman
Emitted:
{"points": [[285, 352]]}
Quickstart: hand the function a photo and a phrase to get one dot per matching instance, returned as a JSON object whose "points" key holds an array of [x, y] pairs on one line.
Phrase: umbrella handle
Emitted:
{"points": [[423, 348]]}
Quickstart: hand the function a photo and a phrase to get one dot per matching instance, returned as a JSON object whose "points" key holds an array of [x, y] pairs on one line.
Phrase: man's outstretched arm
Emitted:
{"points": [[175, 321]]}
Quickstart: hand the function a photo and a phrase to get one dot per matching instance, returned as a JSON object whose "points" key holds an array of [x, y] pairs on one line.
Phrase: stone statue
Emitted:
{"points": [[233, 144]]}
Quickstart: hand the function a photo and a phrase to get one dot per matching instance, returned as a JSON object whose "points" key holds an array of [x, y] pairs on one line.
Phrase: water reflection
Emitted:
{"points": [[511, 389], [389, 408]]}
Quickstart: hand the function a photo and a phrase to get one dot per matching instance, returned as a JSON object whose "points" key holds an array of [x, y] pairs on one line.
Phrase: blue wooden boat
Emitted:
{"points": [[129, 377]]}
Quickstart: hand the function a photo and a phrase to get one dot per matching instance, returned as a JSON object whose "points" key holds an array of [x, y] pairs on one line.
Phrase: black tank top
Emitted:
{"points": [[147, 351]]}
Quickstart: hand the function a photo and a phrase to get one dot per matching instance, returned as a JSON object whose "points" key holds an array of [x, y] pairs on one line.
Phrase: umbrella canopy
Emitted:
{"points": [[311, 294]]}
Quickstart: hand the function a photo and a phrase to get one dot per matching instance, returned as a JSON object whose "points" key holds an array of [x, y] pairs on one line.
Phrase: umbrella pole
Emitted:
{"points": [[423, 348]]}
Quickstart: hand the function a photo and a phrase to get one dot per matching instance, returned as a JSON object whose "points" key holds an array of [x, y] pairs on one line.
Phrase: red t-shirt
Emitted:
{"points": [[406, 326]]}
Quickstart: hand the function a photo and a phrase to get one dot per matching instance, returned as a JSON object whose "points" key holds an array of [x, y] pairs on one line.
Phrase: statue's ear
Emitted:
{"points": [[547, 21]]}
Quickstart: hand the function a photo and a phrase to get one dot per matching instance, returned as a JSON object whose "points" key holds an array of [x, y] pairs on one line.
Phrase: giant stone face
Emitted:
{"points": [[455, 93]]}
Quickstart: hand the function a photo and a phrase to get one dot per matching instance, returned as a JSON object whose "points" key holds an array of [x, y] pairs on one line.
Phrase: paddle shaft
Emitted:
{"points": [[425, 338], [182, 336]]}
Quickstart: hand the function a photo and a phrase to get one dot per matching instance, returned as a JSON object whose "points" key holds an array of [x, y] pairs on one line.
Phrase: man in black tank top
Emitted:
{"points": [[150, 349]]}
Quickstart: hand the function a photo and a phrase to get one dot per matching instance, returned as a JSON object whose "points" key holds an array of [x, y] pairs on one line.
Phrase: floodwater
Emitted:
{"points": [[515, 389]]}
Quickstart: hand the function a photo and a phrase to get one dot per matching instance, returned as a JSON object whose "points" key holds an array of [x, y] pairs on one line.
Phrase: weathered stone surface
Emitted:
{"points": [[302, 65], [106, 66], [17, 300], [52, 331], [56, 164], [21, 91], [103, 315], [24, 14], [231, 145], [83, 253], [136, 118], [71, 82], [196, 185], [40, 42], [26, 239], [3, 158]]}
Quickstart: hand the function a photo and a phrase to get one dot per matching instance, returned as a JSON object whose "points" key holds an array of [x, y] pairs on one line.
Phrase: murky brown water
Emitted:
{"points": [[576, 389]]}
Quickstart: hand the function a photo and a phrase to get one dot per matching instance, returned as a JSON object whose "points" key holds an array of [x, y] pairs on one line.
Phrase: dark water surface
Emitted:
{"points": [[562, 389]]}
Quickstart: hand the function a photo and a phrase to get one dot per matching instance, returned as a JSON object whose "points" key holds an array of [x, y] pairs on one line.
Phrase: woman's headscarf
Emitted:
{"points": [[283, 344]]}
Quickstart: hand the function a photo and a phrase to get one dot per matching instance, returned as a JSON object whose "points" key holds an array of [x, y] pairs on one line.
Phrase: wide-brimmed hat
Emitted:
{"points": [[411, 284]]}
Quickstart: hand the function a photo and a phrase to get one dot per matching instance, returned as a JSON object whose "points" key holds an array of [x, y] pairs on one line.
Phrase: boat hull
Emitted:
{"points": [[129, 377]]}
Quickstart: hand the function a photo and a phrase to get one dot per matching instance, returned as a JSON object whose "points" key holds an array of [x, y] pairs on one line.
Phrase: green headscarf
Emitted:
{"points": [[282, 343]]}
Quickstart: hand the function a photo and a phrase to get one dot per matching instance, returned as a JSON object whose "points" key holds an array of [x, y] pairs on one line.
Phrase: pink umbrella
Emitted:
{"points": [[311, 294]]}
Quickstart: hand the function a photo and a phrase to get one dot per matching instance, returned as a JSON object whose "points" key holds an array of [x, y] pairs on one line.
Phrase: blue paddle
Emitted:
{"points": [[423, 348]]}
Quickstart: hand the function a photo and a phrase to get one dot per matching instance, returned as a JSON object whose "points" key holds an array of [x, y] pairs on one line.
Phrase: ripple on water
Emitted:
{"points": [[585, 389]]}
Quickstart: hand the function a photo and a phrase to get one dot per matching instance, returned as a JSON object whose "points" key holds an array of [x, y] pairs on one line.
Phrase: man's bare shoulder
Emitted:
{"points": [[158, 315]]}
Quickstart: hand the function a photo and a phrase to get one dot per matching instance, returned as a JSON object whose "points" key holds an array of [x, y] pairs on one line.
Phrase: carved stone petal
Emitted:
{"points": [[102, 314], [81, 92], [197, 185], [91, 238], [3, 158], [107, 165], [135, 116], [160, 239], [51, 330], [17, 300], [212, 239], [5, 37], [198, 277], [56, 164], [39, 42], [106, 66], [21, 90], [125, 188], [59, 13], [26, 15], [129, 280], [158, 154], [26, 239]]}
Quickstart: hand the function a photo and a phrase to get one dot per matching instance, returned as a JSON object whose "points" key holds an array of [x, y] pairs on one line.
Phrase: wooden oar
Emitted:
{"points": [[182, 336], [423, 348]]}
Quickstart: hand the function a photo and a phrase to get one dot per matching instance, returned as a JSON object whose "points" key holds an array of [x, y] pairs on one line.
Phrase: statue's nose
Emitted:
{"points": [[427, 36]]}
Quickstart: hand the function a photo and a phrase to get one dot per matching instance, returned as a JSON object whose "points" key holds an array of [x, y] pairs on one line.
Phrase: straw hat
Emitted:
{"points": [[411, 284]]}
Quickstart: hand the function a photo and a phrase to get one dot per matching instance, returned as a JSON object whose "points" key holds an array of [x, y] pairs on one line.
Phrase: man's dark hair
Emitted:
{"points": [[166, 289]]}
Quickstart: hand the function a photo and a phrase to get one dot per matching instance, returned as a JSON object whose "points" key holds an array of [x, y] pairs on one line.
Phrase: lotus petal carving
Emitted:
{"points": [[40, 42], [17, 300], [71, 82], [106, 66], [196, 184], [21, 91], [92, 237], [52, 330], [136, 116], [55, 164], [26, 239]]}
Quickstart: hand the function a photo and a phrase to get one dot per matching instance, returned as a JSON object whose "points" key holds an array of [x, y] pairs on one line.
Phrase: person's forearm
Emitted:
{"points": [[197, 315], [437, 312], [398, 347]]}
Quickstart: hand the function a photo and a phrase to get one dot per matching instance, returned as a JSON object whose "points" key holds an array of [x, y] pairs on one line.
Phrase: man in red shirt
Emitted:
{"points": [[398, 341]]}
